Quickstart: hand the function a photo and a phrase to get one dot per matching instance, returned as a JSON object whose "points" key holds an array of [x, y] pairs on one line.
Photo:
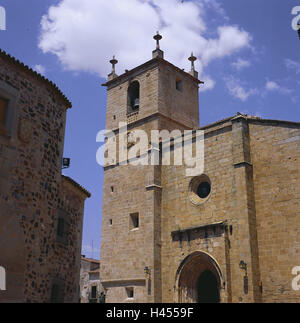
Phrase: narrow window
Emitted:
{"points": [[129, 292], [3, 111], [94, 292], [179, 86], [110, 222], [62, 228], [134, 221], [133, 97], [54, 293], [57, 291]]}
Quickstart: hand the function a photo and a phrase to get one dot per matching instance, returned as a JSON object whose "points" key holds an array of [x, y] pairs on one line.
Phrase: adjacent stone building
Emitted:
{"points": [[90, 283], [231, 234], [41, 211]]}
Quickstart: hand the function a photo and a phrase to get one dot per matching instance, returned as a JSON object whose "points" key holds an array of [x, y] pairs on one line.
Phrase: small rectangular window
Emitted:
{"points": [[94, 292], [130, 292], [110, 222], [3, 112], [62, 228], [179, 85], [134, 221], [8, 110], [57, 291]]}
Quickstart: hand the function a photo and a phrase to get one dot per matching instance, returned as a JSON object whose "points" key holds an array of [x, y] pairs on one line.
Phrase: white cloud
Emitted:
{"points": [[240, 64], [293, 65], [85, 34], [237, 89], [209, 83], [40, 69], [216, 6], [271, 86], [230, 40], [274, 86]]}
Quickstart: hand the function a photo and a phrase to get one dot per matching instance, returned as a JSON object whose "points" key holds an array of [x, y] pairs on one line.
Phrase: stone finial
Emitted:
{"points": [[157, 37], [113, 74], [157, 52], [192, 59]]}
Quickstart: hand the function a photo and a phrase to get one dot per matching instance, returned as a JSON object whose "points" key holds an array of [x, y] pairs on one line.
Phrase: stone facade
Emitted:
{"points": [[41, 262], [245, 233], [90, 283]]}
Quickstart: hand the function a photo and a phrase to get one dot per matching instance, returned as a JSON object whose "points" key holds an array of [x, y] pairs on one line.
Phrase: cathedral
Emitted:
{"points": [[229, 234]]}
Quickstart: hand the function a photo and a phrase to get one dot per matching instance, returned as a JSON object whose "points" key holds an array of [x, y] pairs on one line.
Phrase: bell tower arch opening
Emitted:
{"points": [[133, 100], [198, 279]]}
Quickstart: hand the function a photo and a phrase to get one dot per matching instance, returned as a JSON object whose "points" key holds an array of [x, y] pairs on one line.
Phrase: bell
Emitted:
{"points": [[136, 104]]}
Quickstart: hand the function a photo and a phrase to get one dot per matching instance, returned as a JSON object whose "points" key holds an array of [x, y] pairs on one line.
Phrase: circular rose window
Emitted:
{"points": [[199, 189]]}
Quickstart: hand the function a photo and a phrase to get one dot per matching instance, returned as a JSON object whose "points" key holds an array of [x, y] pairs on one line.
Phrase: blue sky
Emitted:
{"points": [[249, 58]]}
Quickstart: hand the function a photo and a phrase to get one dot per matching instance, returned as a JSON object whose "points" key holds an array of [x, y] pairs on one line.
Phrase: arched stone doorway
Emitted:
{"points": [[198, 279], [207, 288]]}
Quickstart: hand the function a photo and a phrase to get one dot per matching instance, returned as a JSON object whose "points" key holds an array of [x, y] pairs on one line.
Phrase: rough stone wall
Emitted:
{"points": [[124, 252], [32, 190], [178, 105], [254, 171], [275, 154], [117, 98], [179, 213], [158, 94]]}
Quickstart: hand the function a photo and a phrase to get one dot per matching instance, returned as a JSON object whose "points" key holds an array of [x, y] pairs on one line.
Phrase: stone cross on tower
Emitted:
{"points": [[193, 72], [157, 52], [113, 74]]}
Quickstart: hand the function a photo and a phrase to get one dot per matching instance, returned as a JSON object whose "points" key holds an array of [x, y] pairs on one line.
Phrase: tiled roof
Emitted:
{"points": [[71, 181], [90, 260]]}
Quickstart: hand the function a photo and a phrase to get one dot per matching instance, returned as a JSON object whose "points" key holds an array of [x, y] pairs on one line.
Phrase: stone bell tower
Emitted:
{"points": [[153, 96]]}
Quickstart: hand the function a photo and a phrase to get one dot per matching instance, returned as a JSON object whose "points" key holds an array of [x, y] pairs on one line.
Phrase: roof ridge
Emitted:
{"points": [[35, 73], [72, 181], [247, 117]]}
